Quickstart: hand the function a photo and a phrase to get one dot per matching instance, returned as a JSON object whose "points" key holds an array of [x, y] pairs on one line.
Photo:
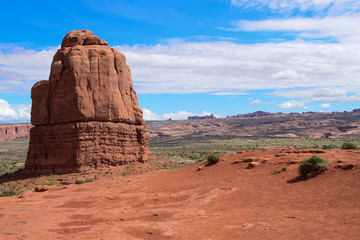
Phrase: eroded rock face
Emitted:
{"points": [[10, 132], [87, 114]]}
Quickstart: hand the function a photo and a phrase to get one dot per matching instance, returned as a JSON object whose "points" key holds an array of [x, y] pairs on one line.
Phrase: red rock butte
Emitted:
{"points": [[87, 114]]}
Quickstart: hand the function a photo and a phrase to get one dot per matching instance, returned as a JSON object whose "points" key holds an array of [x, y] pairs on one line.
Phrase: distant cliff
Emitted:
{"points": [[211, 116], [314, 124], [9, 132]]}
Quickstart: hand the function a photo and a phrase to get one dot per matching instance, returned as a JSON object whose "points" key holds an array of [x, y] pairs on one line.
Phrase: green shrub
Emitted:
{"points": [[83, 181], [348, 145], [88, 180], [314, 164], [212, 159], [8, 193], [79, 181]]}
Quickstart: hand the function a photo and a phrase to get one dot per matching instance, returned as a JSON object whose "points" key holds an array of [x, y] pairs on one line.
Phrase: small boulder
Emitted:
{"points": [[41, 188], [345, 166], [253, 165]]}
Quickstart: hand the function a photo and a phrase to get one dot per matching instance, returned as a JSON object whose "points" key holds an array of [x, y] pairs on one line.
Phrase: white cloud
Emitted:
{"points": [[325, 105], [230, 67], [149, 115], [285, 74], [293, 104], [9, 113], [177, 116], [219, 68], [311, 93], [255, 102], [21, 68], [228, 93], [342, 28], [328, 6], [319, 94]]}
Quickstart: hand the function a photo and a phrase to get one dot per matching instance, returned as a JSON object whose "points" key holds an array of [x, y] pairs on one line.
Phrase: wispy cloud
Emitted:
{"points": [[334, 7], [255, 102], [228, 93], [319, 94], [342, 28], [293, 104]]}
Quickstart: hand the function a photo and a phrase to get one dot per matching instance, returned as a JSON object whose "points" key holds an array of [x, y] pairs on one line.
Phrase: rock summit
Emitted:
{"points": [[87, 114]]}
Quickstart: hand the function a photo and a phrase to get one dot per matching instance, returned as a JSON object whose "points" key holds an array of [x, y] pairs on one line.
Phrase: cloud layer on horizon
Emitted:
{"points": [[150, 116], [314, 70]]}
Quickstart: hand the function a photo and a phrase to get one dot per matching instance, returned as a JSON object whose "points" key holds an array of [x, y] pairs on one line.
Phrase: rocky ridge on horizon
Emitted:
{"points": [[307, 124], [313, 124]]}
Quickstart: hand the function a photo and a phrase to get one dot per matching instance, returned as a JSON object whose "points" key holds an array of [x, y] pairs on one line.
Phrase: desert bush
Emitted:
{"points": [[212, 159], [331, 146], [88, 180], [83, 181], [314, 164], [348, 145], [8, 193]]}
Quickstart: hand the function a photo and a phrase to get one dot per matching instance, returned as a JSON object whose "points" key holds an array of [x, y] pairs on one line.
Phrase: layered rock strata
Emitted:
{"points": [[87, 115], [10, 132]]}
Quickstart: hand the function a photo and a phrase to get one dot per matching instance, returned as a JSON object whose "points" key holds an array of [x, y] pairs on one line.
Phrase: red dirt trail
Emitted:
{"points": [[222, 201]]}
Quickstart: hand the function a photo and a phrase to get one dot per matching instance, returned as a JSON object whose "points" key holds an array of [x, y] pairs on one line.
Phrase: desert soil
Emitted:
{"points": [[221, 201]]}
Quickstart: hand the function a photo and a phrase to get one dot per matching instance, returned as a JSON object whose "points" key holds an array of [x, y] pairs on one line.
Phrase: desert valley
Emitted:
{"points": [[88, 165]]}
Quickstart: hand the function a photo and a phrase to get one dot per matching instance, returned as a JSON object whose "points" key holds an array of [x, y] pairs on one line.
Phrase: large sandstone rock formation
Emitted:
{"points": [[87, 115]]}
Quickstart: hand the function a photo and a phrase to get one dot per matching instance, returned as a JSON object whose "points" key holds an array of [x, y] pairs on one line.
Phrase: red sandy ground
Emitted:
{"points": [[222, 201]]}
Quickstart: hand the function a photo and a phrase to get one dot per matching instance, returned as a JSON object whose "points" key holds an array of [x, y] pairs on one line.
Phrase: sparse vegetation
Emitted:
{"points": [[49, 182], [83, 181], [330, 146], [199, 146], [314, 164], [213, 159], [11, 192], [277, 171], [348, 145], [7, 193]]}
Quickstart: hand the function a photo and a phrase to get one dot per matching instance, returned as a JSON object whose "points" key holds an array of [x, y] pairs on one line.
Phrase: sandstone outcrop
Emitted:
{"points": [[87, 115]]}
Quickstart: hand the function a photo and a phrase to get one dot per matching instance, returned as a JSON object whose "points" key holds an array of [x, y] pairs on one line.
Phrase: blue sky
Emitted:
{"points": [[196, 57]]}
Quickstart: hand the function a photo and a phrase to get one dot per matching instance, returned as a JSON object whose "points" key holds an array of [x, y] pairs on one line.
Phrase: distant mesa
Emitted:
{"points": [[211, 116], [254, 114], [87, 114]]}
